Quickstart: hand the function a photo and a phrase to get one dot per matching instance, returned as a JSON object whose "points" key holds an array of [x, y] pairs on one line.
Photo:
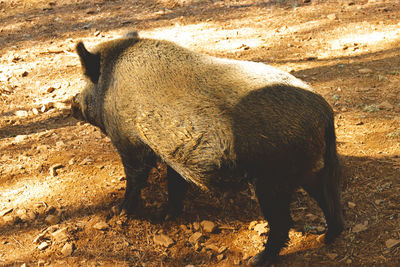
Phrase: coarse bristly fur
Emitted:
{"points": [[217, 123]]}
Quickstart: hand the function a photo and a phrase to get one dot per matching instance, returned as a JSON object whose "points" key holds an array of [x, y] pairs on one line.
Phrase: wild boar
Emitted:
{"points": [[217, 123]]}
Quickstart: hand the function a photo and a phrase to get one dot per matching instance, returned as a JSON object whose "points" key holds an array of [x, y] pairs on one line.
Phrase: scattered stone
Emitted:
{"points": [[252, 225], [220, 257], [19, 138], [52, 219], [196, 226], [60, 235], [261, 228], [53, 169], [8, 219], [50, 90], [208, 226], [67, 249], [212, 247], [364, 71], [43, 245], [6, 211], [332, 256], [360, 227], [39, 238], [351, 205], [194, 238], [35, 111], [61, 105], [385, 105], [390, 243], [101, 226], [21, 113], [163, 240], [332, 16]]}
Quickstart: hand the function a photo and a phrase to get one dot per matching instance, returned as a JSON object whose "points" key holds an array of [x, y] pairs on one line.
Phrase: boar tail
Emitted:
{"points": [[331, 178]]}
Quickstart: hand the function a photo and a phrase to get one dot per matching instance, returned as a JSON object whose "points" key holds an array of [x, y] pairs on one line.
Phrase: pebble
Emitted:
{"points": [[385, 105], [351, 205], [196, 226], [360, 227], [261, 228], [332, 256], [43, 246], [19, 138], [21, 113], [101, 226], [390, 243], [208, 226], [364, 71], [52, 219], [252, 225], [212, 247], [67, 249], [332, 16], [35, 111], [8, 219], [194, 238], [60, 235], [163, 240]]}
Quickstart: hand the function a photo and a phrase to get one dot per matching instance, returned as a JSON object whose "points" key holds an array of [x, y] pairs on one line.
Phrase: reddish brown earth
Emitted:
{"points": [[51, 164]]}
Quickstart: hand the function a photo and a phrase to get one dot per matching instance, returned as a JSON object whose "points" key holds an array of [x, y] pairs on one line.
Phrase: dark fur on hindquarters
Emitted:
{"points": [[216, 123]]}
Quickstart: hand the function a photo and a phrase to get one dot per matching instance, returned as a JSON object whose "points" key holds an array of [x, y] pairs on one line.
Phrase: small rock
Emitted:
{"points": [[21, 113], [385, 105], [8, 219], [364, 71], [390, 243], [52, 219], [53, 169], [67, 249], [6, 211], [35, 111], [194, 238], [208, 226], [252, 225], [220, 257], [163, 240], [60, 235], [351, 205], [212, 247], [50, 90], [332, 256], [19, 138], [196, 226], [360, 227], [101, 226], [332, 16], [261, 228], [43, 246]]}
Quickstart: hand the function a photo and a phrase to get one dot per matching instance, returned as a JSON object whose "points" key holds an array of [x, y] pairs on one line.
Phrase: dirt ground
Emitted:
{"points": [[60, 178]]}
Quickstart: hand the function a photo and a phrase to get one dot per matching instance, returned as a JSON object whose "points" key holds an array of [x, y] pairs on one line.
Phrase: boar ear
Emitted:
{"points": [[90, 62]]}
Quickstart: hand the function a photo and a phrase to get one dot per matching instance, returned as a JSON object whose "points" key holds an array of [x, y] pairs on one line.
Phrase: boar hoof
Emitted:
{"points": [[261, 259]]}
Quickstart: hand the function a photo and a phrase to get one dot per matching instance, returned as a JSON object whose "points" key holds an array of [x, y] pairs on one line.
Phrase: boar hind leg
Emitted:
{"points": [[274, 202], [136, 171], [177, 187], [327, 198]]}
